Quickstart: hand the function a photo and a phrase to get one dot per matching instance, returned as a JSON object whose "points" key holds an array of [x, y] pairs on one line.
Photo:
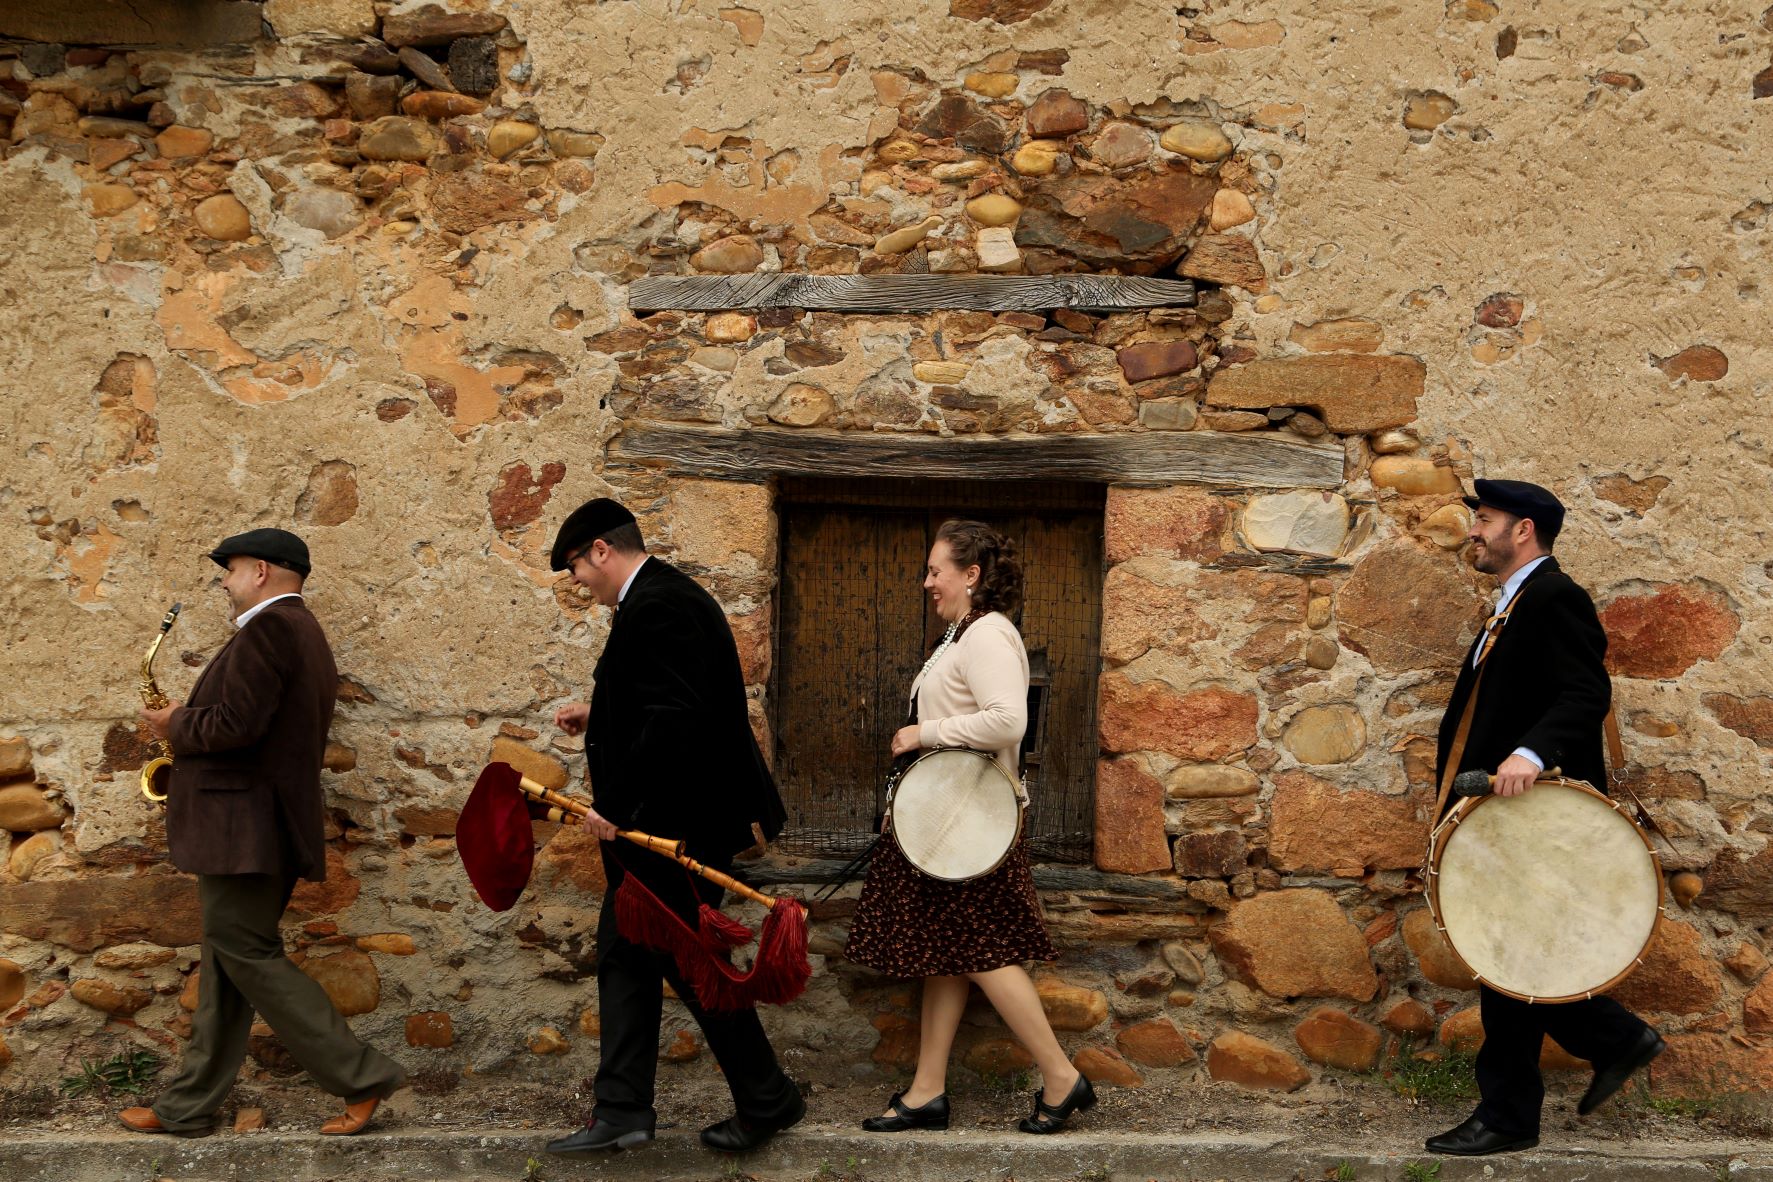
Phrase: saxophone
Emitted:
{"points": [[157, 770]]}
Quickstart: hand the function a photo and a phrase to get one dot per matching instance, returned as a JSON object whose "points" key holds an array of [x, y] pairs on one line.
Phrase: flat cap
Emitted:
{"points": [[1536, 504], [585, 525], [273, 545]]}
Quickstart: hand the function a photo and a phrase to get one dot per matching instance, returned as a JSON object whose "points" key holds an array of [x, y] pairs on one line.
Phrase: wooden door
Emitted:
{"points": [[853, 626]]}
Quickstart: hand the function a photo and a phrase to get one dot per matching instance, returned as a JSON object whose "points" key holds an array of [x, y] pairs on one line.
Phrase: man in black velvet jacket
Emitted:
{"points": [[670, 750], [1541, 705]]}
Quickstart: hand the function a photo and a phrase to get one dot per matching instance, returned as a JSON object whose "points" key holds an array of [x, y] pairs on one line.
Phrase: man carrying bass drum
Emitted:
{"points": [[972, 692], [1541, 702]]}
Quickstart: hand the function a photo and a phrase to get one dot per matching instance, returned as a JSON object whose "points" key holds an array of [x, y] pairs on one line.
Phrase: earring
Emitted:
{"points": [[969, 592]]}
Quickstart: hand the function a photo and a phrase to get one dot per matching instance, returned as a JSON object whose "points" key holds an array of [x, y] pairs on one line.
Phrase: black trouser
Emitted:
{"points": [[244, 969], [630, 1001], [1599, 1030]]}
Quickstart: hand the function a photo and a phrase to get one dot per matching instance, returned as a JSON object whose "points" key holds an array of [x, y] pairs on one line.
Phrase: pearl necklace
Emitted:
{"points": [[947, 639]]}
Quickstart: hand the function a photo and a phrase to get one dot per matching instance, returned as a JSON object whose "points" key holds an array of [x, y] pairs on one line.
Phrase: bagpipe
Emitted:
{"points": [[497, 845]]}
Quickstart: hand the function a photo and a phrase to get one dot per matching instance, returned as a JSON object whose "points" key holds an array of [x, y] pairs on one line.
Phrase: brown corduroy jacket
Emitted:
{"points": [[245, 793]]}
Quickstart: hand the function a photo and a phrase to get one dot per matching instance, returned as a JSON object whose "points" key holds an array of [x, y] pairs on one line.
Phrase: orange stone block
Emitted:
{"points": [[1249, 1062], [1101, 1065], [1155, 1043]]}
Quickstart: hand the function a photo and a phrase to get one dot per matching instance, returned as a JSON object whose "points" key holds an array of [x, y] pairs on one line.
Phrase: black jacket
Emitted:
{"points": [[245, 790], [1545, 684], [669, 742]]}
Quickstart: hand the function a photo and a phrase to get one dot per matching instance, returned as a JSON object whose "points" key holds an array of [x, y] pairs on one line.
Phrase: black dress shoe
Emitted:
{"points": [[599, 1137], [1475, 1139], [933, 1115], [738, 1134], [1049, 1118], [1610, 1079]]}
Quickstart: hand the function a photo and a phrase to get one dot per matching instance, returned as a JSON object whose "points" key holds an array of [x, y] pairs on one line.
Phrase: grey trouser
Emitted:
{"points": [[245, 970]]}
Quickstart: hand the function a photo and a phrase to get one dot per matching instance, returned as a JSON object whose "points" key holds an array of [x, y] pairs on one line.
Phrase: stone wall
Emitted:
{"points": [[361, 271]]}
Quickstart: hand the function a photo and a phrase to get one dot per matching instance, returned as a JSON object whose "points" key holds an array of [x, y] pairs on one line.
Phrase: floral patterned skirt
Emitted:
{"points": [[911, 925]]}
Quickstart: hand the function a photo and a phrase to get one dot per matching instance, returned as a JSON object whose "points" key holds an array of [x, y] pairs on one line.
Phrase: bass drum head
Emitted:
{"points": [[1548, 896], [955, 814]]}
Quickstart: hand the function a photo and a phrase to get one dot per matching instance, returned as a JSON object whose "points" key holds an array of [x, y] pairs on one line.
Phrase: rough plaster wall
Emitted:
{"points": [[1626, 219]]}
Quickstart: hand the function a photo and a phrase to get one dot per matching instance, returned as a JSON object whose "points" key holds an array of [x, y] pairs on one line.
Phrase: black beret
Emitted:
{"points": [[1518, 497], [273, 545], [585, 525]]}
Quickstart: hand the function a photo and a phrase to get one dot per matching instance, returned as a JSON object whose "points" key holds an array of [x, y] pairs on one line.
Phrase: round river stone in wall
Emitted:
{"points": [[1325, 734]]}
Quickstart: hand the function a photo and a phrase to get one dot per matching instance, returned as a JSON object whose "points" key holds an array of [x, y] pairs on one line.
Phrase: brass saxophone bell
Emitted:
{"points": [[155, 774], [158, 770]]}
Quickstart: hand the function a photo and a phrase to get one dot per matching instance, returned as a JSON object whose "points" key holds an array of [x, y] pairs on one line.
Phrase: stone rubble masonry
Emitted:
{"points": [[406, 246], [1338, 1039], [1435, 958], [1665, 632], [1679, 973], [1295, 943], [1129, 819], [1250, 1062], [1318, 827], [1207, 723], [1349, 392]]}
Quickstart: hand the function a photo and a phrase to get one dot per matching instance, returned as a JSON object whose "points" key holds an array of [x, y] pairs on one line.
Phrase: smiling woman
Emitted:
{"points": [[972, 693]]}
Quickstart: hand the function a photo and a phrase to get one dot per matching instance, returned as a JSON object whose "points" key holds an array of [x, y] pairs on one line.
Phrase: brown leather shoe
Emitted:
{"points": [[356, 1119], [143, 1120]]}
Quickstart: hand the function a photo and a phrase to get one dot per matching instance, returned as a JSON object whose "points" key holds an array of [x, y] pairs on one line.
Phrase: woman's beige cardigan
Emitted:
{"points": [[976, 695]]}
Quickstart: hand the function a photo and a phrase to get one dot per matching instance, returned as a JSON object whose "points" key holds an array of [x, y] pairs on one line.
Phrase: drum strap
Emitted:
{"points": [[1616, 776], [1457, 751]]}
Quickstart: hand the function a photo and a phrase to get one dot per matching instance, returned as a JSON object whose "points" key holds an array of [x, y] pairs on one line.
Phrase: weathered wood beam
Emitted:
{"points": [[1246, 459], [144, 22], [1100, 885], [905, 293]]}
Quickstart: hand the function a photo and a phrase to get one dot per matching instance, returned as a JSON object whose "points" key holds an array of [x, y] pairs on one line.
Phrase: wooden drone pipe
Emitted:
{"points": [[566, 810]]}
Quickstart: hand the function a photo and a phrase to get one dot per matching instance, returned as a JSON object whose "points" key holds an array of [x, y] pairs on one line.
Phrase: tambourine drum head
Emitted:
{"points": [[955, 814], [1549, 895]]}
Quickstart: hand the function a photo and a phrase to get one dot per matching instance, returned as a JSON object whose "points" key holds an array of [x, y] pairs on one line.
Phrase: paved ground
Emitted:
{"points": [[825, 1153]]}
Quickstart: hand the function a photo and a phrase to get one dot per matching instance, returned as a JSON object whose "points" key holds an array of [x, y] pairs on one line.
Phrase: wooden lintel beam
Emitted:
{"points": [[1245, 459], [906, 293], [189, 23], [768, 872]]}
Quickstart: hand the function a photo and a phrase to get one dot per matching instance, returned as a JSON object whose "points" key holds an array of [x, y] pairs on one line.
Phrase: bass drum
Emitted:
{"points": [[954, 813], [1549, 896]]}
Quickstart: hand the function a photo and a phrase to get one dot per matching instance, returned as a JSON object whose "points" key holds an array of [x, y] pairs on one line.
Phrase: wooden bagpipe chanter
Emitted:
{"points": [[497, 846]]}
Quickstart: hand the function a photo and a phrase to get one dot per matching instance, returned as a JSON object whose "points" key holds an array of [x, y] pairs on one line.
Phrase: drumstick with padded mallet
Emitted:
{"points": [[1478, 782]]}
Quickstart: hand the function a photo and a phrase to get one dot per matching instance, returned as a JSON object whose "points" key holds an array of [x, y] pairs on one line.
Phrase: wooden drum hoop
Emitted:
{"points": [[1461, 814]]}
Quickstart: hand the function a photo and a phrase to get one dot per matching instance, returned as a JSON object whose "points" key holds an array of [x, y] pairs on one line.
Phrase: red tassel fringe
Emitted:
{"points": [[778, 974], [720, 931]]}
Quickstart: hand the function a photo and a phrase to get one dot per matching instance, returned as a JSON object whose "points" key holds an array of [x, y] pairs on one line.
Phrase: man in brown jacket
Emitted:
{"points": [[243, 814]]}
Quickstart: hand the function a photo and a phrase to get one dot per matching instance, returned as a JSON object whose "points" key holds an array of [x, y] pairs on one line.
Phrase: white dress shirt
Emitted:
{"points": [[1509, 590], [241, 620]]}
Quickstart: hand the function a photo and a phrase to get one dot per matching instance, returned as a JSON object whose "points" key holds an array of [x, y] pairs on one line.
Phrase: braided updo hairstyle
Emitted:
{"points": [[1000, 574]]}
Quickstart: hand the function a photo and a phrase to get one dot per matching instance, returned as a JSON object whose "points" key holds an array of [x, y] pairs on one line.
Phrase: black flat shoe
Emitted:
{"points": [[599, 1137], [1476, 1139], [1611, 1079], [1050, 1118], [933, 1115], [738, 1134]]}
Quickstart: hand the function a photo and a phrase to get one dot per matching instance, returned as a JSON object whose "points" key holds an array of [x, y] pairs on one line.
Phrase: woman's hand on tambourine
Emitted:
{"points": [[905, 740]]}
